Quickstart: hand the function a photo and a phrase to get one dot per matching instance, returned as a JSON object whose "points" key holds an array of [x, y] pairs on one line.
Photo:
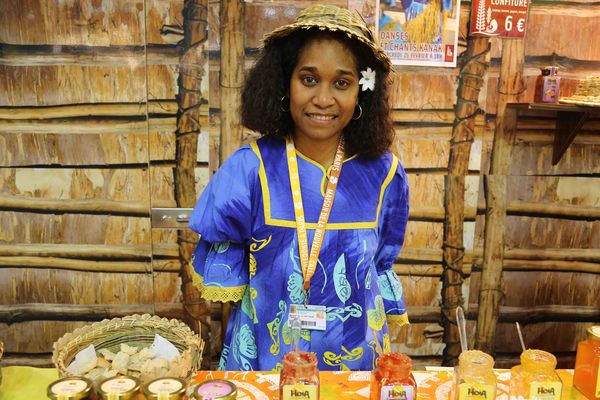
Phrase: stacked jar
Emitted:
{"points": [[474, 377], [587, 365], [536, 377], [393, 379]]}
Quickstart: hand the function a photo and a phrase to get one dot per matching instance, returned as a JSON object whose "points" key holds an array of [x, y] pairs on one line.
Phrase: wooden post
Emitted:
{"points": [[474, 67], [232, 75], [509, 87], [189, 99]]}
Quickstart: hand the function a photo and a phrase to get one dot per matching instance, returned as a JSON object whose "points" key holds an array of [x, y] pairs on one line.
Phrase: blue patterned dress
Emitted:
{"points": [[248, 253]]}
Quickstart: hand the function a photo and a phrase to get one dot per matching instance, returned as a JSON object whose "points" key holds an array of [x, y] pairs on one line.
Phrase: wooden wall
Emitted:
{"points": [[87, 121]]}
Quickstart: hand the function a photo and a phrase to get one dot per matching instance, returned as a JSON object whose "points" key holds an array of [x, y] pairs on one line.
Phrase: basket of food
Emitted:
{"points": [[142, 346]]}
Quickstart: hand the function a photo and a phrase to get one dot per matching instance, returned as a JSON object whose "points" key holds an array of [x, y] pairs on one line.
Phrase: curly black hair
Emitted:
{"points": [[269, 79]]}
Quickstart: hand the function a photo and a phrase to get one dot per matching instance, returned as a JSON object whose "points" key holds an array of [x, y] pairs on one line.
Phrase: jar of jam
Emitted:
{"points": [[164, 389], [535, 378], [392, 378], [299, 376], [587, 362], [215, 389], [119, 388], [71, 388], [474, 377], [547, 85]]}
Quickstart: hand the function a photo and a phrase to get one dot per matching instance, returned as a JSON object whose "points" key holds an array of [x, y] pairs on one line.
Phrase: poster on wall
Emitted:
{"points": [[414, 32], [499, 18]]}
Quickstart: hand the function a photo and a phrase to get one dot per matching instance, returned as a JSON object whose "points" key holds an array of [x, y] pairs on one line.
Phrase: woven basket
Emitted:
{"points": [[133, 330]]}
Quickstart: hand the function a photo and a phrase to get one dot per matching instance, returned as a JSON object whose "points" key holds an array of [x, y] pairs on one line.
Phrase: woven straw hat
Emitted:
{"points": [[332, 18]]}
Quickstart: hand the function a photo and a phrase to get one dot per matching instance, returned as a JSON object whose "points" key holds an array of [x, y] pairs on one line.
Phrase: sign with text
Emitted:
{"points": [[500, 18]]}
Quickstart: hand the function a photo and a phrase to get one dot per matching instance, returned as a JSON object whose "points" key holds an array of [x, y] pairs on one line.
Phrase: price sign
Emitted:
{"points": [[502, 18]]}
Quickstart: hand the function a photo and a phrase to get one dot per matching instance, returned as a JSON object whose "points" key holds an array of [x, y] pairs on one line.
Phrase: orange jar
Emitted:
{"points": [[393, 379], [299, 378], [535, 378], [587, 373]]}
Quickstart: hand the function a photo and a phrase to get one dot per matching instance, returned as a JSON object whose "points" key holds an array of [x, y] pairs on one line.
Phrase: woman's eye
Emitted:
{"points": [[342, 83], [309, 80]]}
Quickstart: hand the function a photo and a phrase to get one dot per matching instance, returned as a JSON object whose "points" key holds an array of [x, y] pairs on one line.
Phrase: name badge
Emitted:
{"points": [[311, 317]]}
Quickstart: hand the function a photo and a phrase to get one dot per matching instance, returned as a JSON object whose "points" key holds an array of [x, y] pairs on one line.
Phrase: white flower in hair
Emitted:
{"points": [[368, 79]]}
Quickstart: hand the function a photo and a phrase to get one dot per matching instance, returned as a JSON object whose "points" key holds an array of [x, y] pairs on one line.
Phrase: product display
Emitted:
{"points": [[535, 378], [392, 379], [474, 376], [216, 389], [119, 388], [165, 389], [299, 377], [72, 388], [587, 362], [547, 86]]}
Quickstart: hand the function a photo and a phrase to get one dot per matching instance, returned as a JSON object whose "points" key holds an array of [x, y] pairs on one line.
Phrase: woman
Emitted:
{"points": [[305, 222]]}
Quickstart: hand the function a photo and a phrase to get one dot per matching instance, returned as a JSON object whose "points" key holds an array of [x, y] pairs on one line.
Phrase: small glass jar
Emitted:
{"points": [[392, 378], [164, 389], [119, 388], [474, 377], [71, 388], [535, 378], [215, 389], [587, 363], [299, 376], [547, 85]]}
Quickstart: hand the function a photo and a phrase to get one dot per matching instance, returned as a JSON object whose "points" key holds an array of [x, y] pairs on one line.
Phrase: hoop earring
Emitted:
{"points": [[282, 102], [359, 113]]}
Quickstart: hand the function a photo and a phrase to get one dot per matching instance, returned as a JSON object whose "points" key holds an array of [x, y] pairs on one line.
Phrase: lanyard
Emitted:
{"points": [[309, 262]]}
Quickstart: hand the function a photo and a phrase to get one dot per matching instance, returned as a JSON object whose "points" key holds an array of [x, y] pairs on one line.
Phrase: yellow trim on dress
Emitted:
{"points": [[397, 320], [215, 293], [264, 185]]}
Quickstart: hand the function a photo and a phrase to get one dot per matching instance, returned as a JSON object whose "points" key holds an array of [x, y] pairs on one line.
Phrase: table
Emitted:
{"points": [[29, 383]]}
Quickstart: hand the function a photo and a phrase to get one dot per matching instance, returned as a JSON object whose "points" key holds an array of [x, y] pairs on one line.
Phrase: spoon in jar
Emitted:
{"points": [[461, 323]]}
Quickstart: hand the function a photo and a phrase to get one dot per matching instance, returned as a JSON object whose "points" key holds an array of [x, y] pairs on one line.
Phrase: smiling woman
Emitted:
{"points": [[305, 223]]}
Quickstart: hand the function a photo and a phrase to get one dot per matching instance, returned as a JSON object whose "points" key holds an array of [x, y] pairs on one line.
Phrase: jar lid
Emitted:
{"points": [[71, 388], [165, 388], [593, 333], [123, 387], [216, 389]]}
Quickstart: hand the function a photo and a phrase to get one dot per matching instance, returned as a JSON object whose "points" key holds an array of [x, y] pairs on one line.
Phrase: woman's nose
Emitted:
{"points": [[323, 97]]}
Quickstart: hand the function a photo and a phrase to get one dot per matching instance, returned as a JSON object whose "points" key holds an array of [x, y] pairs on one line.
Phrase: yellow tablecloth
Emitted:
{"points": [[28, 383]]}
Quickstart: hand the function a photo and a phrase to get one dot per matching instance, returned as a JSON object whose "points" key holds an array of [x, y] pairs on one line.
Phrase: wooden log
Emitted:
{"points": [[470, 81], [43, 360], [12, 313], [544, 265], [86, 126], [48, 262], [92, 206], [91, 56], [440, 116], [165, 106], [189, 124], [232, 75], [94, 251]]}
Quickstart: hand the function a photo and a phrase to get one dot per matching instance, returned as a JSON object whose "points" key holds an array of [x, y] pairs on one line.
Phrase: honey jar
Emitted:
{"points": [[70, 388], [165, 389], [214, 389], [535, 378], [119, 388], [587, 360], [299, 376], [393, 379], [474, 377]]}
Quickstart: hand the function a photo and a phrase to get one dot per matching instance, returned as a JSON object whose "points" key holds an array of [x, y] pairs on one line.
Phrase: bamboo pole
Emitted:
{"points": [[47, 262], [190, 99], [232, 75], [95, 206], [12, 313], [89, 125], [474, 66], [510, 86], [163, 106], [90, 56]]}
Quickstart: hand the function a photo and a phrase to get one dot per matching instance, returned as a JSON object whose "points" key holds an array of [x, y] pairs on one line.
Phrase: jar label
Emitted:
{"points": [[118, 385], [397, 392], [165, 386], [299, 392], [70, 386], [545, 390], [476, 391]]}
